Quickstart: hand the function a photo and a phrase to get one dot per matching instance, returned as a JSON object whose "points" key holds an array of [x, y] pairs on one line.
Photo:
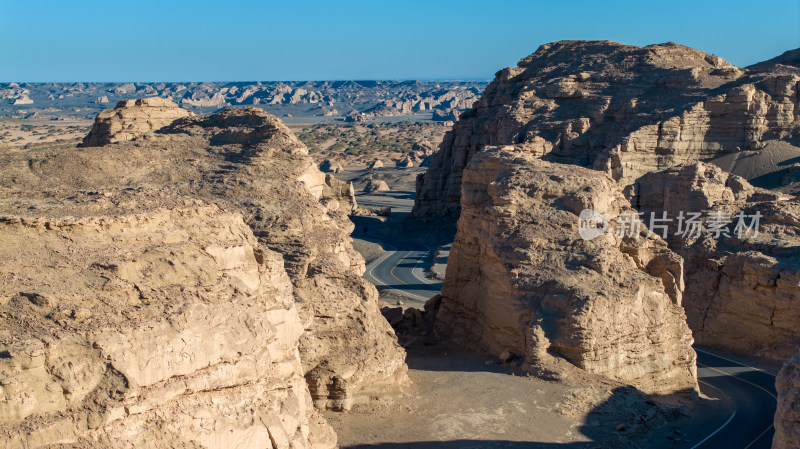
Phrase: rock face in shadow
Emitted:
{"points": [[247, 161], [131, 119], [146, 319], [620, 109], [787, 416], [737, 276], [522, 282], [789, 58]]}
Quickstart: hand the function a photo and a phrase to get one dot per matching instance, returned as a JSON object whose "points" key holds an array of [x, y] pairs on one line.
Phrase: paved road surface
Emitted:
{"points": [[400, 269], [752, 390]]}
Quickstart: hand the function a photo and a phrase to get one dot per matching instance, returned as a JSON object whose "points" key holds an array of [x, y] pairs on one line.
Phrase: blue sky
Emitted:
{"points": [[238, 40]]}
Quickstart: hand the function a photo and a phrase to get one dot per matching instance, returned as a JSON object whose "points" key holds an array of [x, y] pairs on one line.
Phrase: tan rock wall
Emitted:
{"points": [[147, 320], [787, 416], [742, 292], [520, 278]]}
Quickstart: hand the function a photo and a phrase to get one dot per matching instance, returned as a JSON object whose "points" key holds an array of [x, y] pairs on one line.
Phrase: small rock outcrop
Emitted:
{"points": [[377, 163], [131, 119], [620, 109], [521, 282], [355, 117], [338, 196], [145, 319], [734, 274], [329, 166], [406, 162], [376, 186], [787, 416]]}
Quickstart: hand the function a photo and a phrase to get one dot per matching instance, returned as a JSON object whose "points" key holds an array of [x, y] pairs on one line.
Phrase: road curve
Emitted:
{"points": [[400, 269], [750, 389]]}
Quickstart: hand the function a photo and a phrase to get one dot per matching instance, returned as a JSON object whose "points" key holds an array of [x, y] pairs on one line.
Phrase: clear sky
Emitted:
{"points": [[242, 40]]}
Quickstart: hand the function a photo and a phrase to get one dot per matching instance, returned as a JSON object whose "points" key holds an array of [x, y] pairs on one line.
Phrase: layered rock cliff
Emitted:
{"points": [[623, 110], [248, 161], [787, 416], [521, 281], [750, 277], [131, 119], [138, 318]]}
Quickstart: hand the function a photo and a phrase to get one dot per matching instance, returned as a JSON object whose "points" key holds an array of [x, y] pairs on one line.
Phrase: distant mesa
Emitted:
{"points": [[298, 98], [421, 153], [23, 100]]}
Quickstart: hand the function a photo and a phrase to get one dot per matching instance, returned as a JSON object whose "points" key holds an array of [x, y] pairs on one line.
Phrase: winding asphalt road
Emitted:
{"points": [[745, 388], [752, 390], [400, 269]]}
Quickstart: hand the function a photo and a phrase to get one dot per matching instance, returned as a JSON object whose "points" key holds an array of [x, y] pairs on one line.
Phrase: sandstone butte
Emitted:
{"points": [[675, 130], [521, 281], [632, 112], [623, 110], [243, 165]]}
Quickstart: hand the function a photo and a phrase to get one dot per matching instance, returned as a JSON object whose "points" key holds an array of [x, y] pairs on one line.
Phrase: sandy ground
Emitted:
{"points": [[459, 399], [21, 132], [767, 167]]}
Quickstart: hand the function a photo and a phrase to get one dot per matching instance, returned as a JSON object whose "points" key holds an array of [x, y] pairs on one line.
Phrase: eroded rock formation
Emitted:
{"points": [[134, 318], [338, 196], [621, 109], [376, 186], [787, 416], [247, 161], [735, 276], [520, 280], [131, 119]]}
